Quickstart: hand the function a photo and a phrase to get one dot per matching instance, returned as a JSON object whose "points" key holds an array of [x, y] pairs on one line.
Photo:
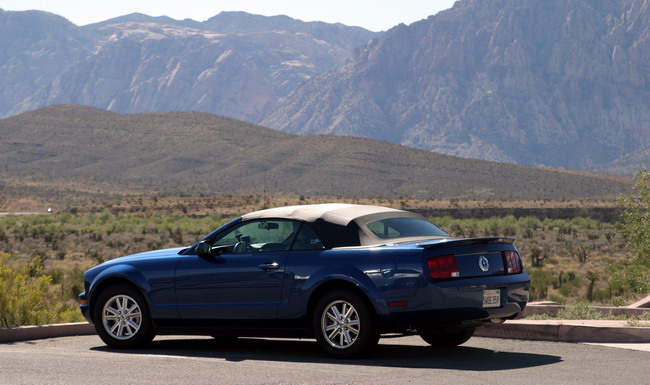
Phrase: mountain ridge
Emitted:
{"points": [[139, 63], [560, 84]]}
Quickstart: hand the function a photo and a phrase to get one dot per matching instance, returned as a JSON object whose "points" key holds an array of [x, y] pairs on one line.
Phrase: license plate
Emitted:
{"points": [[491, 298]]}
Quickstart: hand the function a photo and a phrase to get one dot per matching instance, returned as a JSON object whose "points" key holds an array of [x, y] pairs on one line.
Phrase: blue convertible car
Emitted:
{"points": [[344, 274]]}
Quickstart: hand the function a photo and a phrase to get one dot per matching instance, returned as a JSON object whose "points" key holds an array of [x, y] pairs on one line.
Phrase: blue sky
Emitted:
{"points": [[375, 15]]}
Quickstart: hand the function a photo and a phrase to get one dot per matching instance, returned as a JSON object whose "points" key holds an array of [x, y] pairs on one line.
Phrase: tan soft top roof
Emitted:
{"points": [[337, 213]]}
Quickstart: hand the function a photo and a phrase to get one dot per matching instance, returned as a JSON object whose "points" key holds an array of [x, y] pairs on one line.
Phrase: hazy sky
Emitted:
{"points": [[375, 15]]}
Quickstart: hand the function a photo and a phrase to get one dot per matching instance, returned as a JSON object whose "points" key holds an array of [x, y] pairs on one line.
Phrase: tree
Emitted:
{"points": [[537, 257], [592, 277], [632, 278], [582, 253], [636, 218]]}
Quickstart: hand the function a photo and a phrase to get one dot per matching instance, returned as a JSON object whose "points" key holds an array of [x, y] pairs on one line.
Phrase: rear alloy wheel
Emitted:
{"points": [[122, 318], [446, 339], [344, 324]]}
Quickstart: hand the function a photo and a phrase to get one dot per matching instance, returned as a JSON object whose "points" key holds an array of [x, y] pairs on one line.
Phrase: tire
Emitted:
{"points": [[122, 318], [446, 339], [344, 324]]}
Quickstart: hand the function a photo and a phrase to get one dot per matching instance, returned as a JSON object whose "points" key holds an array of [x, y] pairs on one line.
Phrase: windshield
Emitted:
{"points": [[404, 228]]}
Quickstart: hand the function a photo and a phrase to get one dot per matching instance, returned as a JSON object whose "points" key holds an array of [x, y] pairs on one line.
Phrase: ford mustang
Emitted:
{"points": [[342, 274]]}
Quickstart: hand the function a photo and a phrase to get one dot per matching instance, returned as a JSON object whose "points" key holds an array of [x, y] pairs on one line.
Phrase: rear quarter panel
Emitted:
{"points": [[380, 273]]}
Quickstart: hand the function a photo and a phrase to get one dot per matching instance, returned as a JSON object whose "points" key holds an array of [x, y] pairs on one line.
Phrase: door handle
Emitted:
{"points": [[269, 266]]}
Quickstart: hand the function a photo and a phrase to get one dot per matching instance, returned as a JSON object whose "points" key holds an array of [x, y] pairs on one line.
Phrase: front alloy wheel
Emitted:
{"points": [[121, 317], [344, 324]]}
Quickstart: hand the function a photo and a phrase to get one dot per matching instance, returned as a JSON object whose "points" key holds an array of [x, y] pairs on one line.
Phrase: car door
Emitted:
{"points": [[242, 279]]}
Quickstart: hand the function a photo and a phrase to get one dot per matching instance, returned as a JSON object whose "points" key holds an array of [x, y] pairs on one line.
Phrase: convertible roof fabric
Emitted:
{"points": [[337, 213]]}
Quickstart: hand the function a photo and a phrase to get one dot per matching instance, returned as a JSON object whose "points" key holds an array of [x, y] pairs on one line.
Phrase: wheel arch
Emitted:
{"points": [[111, 280]]}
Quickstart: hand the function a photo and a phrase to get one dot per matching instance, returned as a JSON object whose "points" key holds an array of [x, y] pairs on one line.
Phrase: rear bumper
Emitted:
{"points": [[461, 301]]}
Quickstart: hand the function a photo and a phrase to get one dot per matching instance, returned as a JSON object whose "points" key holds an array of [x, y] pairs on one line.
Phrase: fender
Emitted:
{"points": [[125, 272], [155, 284]]}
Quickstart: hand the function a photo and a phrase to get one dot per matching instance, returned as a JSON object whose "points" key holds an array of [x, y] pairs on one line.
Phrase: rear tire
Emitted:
{"points": [[122, 318], [344, 324], [446, 339]]}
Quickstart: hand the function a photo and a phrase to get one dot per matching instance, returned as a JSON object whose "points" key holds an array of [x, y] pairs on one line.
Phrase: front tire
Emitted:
{"points": [[446, 339], [344, 324], [121, 318]]}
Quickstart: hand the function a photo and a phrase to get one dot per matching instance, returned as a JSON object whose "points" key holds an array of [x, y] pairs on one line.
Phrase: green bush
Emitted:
{"points": [[25, 297], [632, 278], [581, 310], [636, 219], [540, 281]]}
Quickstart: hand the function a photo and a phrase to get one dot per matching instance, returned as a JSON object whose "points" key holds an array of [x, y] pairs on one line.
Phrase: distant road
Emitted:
{"points": [[199, 360], [23, 213]]}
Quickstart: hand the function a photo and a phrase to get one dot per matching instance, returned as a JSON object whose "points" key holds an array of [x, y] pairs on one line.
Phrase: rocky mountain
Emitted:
{"points": [[70, 150], [35, 48], [553, 83], [245, 23], [234, 64], [549, 83]]}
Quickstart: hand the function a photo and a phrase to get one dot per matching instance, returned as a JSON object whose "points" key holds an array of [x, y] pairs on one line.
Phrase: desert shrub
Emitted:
{"points": [[537, 257], [529, 225], [25, 297], [569, 286], [579, 310], [540, 281]]}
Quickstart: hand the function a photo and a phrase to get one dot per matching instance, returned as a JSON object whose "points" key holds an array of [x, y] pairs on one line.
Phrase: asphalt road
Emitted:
{"points": [[198, 360]]}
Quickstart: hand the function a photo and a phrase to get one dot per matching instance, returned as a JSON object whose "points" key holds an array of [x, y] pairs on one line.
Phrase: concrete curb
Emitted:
{"points": [[553, 309], [567, 331], [24, 333]]}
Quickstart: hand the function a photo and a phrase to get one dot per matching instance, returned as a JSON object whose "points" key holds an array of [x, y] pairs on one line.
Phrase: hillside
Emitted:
{"points": [[71, 150], [553, 83], [234, 64]]}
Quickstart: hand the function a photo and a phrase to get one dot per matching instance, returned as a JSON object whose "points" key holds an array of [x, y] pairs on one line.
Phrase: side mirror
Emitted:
{"points": [[204, 249]]}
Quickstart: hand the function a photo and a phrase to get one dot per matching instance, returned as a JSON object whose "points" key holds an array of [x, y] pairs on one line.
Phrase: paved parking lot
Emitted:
{"points": [[197, 360]]}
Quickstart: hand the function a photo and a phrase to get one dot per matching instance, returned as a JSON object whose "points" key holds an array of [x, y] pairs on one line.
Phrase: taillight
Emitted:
{"points": [[513, 262], [443, 267]]}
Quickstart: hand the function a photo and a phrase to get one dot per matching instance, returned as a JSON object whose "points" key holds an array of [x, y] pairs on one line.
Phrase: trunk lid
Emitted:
{"points": [[472, 257]]}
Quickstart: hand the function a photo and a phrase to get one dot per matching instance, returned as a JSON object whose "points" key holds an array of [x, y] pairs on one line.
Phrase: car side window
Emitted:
{"points": [[257, 236], [307, 240], [383, 230], [404, 227]]}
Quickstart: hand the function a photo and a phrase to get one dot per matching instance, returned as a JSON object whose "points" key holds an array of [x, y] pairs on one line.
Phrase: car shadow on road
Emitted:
{"points": [[385, 355]]}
